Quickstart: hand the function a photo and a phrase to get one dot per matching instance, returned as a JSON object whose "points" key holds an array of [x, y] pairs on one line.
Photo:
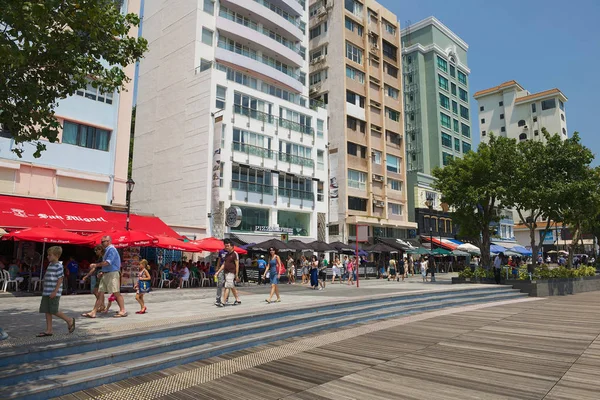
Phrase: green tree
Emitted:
{"points": [[51, 48], [474, 187]]}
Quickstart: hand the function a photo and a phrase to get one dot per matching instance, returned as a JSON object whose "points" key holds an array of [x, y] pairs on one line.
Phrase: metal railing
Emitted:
{"points": [[271, 154], [264, 117], [252, 187], [295, 126], [293, 20], [296, 194], [292, 159]]}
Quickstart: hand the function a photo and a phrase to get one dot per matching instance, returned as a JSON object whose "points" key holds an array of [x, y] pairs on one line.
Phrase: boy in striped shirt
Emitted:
{"points": [[53, 280]]}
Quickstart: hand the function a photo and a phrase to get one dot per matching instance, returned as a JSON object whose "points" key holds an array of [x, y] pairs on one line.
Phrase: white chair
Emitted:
{"points": [[203, 279], [36, 282], [185, 282], [193, 279], [164, 277], [8, 281]]}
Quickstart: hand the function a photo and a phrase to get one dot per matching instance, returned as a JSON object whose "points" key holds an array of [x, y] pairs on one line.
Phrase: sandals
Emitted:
{"points": [[72, 326], [43, 334], [88, 315], [119, 315], [278, 301], [268, 301], [142, 311]]}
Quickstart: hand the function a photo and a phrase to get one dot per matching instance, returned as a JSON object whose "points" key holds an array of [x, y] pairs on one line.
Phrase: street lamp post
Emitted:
{"points": [[130, 185], [429, 204]]}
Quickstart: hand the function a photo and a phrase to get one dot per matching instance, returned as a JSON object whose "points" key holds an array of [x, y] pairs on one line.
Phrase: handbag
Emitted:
{"points": [[280, 268], [144, 286], [268, 274]]}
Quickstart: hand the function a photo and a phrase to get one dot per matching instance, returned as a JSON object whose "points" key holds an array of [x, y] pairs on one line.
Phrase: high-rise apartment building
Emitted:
{"points": [[511, 111], [89, 161], [437, 120], [224, 121], [355, 69]]}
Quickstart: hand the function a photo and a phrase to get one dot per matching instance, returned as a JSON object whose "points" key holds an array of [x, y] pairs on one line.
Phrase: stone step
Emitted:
{"points": [[58, 383]]}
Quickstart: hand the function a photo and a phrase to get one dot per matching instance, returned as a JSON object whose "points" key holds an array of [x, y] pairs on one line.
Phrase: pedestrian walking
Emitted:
{"points": [[305, 270], [431, 266], [498, 268], [391, 272], [274, 274], [111, 275], [291, 270], [73, 275], [401, 270], [351, 266], [314, 273], [336, 270], [220, 277], [143, 285], [52, 289], [231, 267], [423, 268], [95, 274], [411, 265], [262, 265]]}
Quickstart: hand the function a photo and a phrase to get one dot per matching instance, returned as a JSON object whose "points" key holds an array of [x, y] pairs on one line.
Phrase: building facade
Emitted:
{"points": [[509, 110], [355, 69], [437, 123], [224, 120], [89, 161]]}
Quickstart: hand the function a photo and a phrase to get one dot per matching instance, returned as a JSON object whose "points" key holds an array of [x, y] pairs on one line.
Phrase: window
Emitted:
{"points": [[392, 163], [394, 184], [523, 136], [445, 120], [389, 28], [464, 112], [334, 230], [503, 129], [501, 116], [355, 74], [354, 26], [446, 140], [320, 127], [446, 158], [466, 147], [393, 137], [483, 120], [320, 191], [354, 53], [454, 107], [391, 92], [251, 180], [456, 126], [392, 114], [320, 160], [315, 8], [85, 136], [355, 99], [501, 104], [209, 7], [356, 203], [564, 131], [317, 77], [251, 143], [453, 89], [481, 108], [389, 50], [295, 187], [294, 120], [92, 93], [457, 144], [220, 98], [253, 217], [295, 154], [452, 71], [442, 82], [462, 78], [444, 101], [533, 107], [357, 179], [548, 104], [390, 70], [317, 30], [320, 51], [376, 156], [534, 119], [536, 132], [442, 64], [465, 130], [562, 116], [356, 150], [394, 209], [561, 105], [482, 133], [207, 36], [463, 95], [521, 123], [354, 7], [353, 123]]}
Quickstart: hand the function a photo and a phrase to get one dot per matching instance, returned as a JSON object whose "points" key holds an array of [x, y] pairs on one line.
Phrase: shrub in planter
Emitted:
{"points": [[465, 273]]}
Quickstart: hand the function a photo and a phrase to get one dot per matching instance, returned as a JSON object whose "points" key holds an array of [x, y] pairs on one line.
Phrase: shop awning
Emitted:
{"points": [[25, 212], [444, 243]]}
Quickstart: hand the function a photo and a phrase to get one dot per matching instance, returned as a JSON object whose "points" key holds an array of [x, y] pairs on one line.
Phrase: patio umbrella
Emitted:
{"points": [[512, 253], [459, 253], [2, 232], [298, 245], [494, 248], [441, 252], [213, 245], [170, 243], [418, 250], [274, 243], [126, 238], [321, 247], [522, 250], [469, 248], [380, 248], [48, 234], [342, 248]]}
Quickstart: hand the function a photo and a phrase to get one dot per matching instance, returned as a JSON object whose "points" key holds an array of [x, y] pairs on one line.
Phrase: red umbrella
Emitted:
{"points": [[48, 234], [213, 245], [168, 242], [126, 238]]}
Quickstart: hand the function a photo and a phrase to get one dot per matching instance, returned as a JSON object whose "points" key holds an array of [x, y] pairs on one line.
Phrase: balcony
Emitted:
{"points": [[296, 194], [268, 41], [271, 14], [252, 187], [252, 150], [249, 60], [295, 126], [292, 159]]}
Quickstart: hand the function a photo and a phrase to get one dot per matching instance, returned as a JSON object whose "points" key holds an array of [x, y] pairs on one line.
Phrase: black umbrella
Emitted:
{"points": [[394, 243], [274, 243], [321, 247], [342, 247], [298, 245], [380, 248]]}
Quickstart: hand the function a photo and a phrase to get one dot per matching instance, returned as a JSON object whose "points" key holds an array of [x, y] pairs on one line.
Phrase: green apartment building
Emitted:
{"points": [[437, 118]]}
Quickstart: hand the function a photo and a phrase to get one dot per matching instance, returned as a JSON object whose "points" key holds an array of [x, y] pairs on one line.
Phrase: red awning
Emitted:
{"points": [[24, 212], [444, 243]]}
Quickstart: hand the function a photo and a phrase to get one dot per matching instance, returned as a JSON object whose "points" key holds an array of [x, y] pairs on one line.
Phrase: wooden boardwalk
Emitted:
{"points": [[542, 349]]}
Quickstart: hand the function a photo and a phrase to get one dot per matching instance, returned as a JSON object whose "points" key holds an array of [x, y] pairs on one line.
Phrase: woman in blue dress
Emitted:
{"points": [[314, 272], [273, 275]]}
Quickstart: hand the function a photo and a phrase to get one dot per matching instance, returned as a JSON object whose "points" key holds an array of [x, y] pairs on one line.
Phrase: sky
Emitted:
{"points": [[542, 44]]}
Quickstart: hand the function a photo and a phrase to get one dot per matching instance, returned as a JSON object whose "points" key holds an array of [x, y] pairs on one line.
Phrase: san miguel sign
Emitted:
{"points": [[22, 214]]}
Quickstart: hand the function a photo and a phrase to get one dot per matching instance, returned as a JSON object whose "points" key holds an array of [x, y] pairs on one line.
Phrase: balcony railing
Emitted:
{"points": [[252, 187], [292, 159], [293, 20], [268, 118], [296, 194]]}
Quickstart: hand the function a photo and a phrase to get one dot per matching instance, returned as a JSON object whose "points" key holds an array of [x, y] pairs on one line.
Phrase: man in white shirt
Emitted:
{"points": [[498, 267], [184, 275]]}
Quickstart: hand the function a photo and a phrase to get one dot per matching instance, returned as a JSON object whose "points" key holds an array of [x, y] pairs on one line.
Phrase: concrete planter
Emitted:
{"points": [[556, 287]]}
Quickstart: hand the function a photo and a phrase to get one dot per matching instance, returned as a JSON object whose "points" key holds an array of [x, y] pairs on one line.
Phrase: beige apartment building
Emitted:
{"points": [[355, 68]]}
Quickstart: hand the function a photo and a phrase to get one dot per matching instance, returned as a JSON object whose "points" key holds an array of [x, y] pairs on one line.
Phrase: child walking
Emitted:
{"points": [[143, 285], [53, 281]]}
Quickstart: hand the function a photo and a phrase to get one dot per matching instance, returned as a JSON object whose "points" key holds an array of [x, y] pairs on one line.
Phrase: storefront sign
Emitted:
{"points": [[233, 217], [273, 229], [130, 266]]}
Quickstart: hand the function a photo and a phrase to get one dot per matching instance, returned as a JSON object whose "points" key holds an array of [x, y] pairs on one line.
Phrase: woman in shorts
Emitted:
{"points": [[291, 270], [336, 270], [305, 270], [391, 270]]}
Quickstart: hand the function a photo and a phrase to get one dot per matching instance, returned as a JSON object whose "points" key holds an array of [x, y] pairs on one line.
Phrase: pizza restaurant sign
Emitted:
{"points": [[273, 229], [22, 214]]}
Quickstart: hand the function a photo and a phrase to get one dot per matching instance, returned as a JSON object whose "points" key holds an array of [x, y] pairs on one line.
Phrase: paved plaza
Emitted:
{"points": [[519, 349]]}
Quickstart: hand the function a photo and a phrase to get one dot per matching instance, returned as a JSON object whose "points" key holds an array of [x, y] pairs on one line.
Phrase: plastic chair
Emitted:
{"points": [[36, 282], [203, 279], [8, 281], [194, 278], [164, 277], [185, 282]]}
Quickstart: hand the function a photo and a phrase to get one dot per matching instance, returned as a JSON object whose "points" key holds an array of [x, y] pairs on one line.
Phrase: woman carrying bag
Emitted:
{"points": [[273, 273], [143, 285]]}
